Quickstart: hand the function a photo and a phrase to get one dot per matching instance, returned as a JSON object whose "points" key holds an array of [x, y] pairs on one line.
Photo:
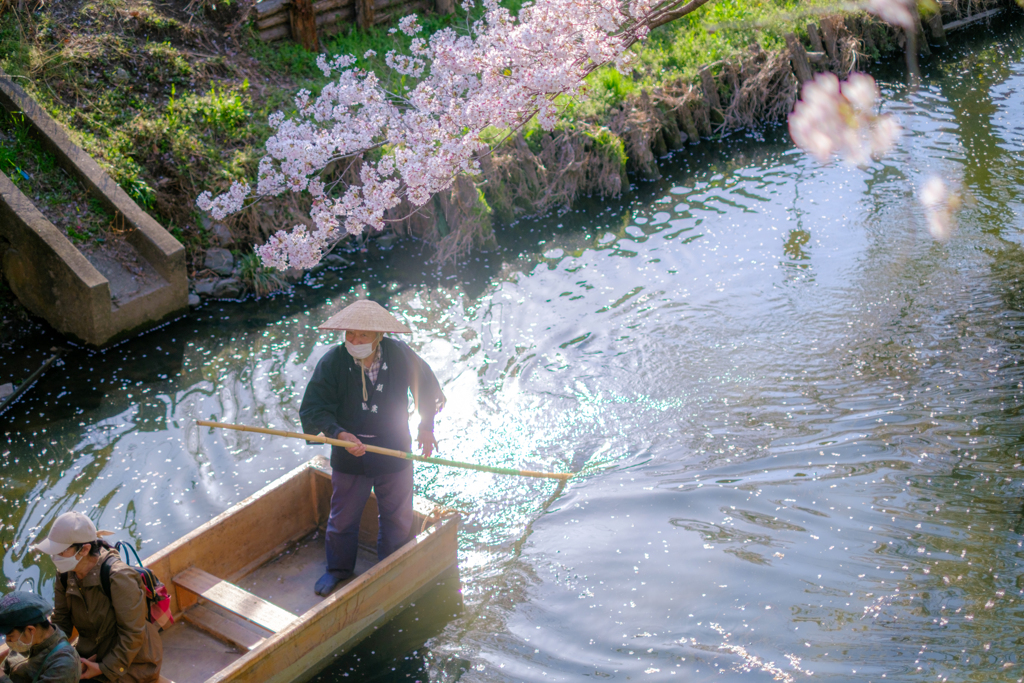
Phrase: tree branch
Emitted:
{"points": [[667, 16]]}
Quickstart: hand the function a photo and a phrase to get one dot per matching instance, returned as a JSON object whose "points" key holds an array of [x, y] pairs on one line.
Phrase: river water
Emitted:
{"points": [[796, 417]]}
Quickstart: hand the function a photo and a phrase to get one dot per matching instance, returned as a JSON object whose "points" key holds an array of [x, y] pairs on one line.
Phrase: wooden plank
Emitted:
{"points": [[272, 20], [328, 5], [227, 544], [234, 599], [224, 629], [345, 14], [393, 15], [966, 21], [276, 33], [268, 7]]}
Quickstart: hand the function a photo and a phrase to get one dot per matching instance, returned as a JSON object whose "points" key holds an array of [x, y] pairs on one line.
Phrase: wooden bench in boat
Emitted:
{"points": [[234, 599]]}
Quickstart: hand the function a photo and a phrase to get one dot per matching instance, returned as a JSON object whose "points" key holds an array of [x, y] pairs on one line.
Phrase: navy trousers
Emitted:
{"points": [[348, 498]]}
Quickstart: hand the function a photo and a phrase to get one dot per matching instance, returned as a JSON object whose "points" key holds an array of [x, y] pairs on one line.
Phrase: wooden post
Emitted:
{"points": [[445, 6], [936, 29], [303, 19], [710, 88], [685, 119], [812, 33], [922, 40], [829, 26], [364, 14], [798, 57]]}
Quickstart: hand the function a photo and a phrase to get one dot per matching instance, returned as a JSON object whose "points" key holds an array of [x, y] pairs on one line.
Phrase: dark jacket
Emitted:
{"points": [[127, 646], [51, 666], [333, 403]]}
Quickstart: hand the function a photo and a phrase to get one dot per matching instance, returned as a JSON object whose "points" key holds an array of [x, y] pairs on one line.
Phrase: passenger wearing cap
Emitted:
{"points": [[41, 652], [360, 392], [115, 640]]}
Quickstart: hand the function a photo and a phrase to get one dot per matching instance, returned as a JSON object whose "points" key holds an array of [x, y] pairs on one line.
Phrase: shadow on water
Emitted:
{"points": [[399, 650]]}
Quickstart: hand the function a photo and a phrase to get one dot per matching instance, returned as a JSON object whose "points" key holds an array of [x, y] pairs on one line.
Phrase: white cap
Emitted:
{"points": [[67, 530]]}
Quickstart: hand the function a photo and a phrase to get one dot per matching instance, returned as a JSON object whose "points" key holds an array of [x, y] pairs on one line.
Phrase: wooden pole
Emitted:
{"points": [[707, 81], [365, 17], [387, 451], [303, 19]]}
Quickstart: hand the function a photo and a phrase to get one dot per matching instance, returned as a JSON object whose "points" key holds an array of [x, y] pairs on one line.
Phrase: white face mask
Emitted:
{"points": [[19, 646], [359, 351], [65, 564]]}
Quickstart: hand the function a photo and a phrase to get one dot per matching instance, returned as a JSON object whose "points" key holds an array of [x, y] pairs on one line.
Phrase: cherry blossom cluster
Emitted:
{"points": [[834, 118], [902, 13], [940, 204], [415, 141]]}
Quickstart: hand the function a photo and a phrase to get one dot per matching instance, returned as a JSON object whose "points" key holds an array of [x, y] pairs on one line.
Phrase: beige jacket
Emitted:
{"points": [[127, 646]]}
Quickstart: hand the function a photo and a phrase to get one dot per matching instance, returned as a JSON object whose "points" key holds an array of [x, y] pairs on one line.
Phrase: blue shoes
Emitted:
{"points": [[326, 584]]}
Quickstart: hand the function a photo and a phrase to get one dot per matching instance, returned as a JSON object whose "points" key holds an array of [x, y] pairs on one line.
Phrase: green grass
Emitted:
{"points": [[58, 195]]}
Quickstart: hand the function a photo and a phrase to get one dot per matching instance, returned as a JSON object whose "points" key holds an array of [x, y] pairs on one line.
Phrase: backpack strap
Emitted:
{"points": [[105, 574], [58, 646]]}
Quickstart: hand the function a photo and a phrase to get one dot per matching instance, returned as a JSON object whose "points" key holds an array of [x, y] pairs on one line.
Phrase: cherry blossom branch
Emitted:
{"points": [[414, 140], [840, 119]]}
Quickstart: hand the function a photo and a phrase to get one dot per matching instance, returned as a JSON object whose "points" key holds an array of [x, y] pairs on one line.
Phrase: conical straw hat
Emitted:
{"points": [[364, 315]]}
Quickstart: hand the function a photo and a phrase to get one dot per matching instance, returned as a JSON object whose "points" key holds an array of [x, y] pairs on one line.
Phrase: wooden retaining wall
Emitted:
{"points": [[281, 19]]}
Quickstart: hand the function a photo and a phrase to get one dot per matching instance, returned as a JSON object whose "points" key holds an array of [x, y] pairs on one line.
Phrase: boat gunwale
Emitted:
{"points": [[337, 599], [430, 538]]}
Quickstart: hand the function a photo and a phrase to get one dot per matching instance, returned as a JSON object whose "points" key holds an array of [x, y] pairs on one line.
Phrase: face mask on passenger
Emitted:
{"points": [[65, 564], [19, 645]]}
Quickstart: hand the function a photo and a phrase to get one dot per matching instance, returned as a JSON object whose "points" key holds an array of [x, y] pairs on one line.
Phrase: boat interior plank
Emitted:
{"points": [[191, 656], [234, 599], [223, 627], [287, 580]]}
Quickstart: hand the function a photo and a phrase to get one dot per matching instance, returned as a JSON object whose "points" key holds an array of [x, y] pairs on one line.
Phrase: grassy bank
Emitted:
{"points": [[172, 98]]}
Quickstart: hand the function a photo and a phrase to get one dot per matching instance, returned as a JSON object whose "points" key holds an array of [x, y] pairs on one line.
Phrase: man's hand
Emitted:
{"points": [[359, 450], [427, 443], [4, 651], [90, 669]]}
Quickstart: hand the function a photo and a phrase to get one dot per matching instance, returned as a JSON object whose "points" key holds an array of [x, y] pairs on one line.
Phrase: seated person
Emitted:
{"points": [[41, 651]]}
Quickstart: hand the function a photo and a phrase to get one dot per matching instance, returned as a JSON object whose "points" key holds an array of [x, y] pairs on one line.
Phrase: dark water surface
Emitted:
{"points": [[796, 417]]}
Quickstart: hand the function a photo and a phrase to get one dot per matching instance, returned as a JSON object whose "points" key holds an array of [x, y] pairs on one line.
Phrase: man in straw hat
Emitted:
{"points": [[359, 392]]}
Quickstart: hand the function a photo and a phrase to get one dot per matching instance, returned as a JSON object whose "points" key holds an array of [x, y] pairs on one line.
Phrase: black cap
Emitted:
{"points": [[20, 609]]}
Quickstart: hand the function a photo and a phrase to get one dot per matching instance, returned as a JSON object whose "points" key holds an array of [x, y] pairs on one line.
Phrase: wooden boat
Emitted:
{"points": [[245, 578]]}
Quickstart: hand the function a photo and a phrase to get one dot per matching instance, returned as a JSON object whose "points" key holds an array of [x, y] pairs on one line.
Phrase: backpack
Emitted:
{"points": [[158, 600]]}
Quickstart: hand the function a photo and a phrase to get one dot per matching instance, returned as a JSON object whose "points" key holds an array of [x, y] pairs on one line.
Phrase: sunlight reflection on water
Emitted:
{"points": [[796, 419]]}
